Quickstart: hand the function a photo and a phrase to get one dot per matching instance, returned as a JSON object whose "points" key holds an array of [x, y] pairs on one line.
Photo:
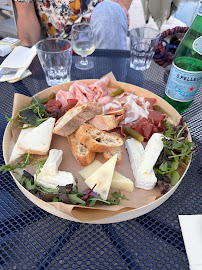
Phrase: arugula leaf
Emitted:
{"points": [[28, 117], [75, 198], [27, 183], [26, 159], [39, 165], [117, 197], [175, 177]]}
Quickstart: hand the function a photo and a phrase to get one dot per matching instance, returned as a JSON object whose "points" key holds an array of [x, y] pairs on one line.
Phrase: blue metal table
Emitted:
{"points": [[34, 239]]}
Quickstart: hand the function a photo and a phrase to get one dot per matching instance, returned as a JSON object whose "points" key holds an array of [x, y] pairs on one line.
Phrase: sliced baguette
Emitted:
{"points": [[75, 117], [119, 151], [96, 140], [109, 154], [82, 154], [104, 122]]}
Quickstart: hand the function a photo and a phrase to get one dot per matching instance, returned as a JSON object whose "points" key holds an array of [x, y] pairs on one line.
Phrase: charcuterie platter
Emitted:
{"points": [[91, 110]]}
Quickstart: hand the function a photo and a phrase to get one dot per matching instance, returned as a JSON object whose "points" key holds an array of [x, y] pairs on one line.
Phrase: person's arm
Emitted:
{"points": [[125, 4], [28, 26]]}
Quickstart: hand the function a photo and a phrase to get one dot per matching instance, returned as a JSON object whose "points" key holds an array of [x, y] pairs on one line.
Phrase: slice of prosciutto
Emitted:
{"points": [[84, 93]]}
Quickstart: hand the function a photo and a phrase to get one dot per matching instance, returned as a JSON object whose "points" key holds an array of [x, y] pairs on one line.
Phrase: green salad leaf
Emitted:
{"points": [[34, 114], [25, 160], [177, 148]]}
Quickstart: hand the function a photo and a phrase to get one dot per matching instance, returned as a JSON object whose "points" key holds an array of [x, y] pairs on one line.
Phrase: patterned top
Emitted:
{"points": [[57, 16]]}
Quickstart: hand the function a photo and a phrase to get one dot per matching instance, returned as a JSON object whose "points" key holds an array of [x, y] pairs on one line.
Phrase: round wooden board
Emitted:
{"points": [[88, 215]]}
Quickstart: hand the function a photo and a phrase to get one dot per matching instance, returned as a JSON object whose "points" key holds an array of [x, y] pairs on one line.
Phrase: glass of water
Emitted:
{"points": [[143, 43], [83, 43], [55, 56]]}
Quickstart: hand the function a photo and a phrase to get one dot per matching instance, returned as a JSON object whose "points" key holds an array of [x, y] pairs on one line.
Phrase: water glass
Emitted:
{"points": [[143, 43], [55, 56]]}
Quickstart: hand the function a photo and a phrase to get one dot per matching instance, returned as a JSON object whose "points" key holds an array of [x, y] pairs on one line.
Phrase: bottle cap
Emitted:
{"points": [[5, 50]]}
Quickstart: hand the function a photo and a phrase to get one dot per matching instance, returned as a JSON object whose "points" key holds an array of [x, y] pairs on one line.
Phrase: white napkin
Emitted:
{"points": [[191, 226], [5, 50], [21, 58]]}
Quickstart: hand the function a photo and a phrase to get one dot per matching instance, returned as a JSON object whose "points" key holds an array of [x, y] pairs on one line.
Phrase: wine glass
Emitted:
{"points": [[83, 43]]}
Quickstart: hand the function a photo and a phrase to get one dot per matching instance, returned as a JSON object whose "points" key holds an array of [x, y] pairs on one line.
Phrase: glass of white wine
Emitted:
{"points": [[83, 43]]}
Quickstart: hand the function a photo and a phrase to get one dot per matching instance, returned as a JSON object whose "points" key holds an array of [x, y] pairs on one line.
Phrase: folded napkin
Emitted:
{"points": [[20, 58], [191, 226], [5, 50]]}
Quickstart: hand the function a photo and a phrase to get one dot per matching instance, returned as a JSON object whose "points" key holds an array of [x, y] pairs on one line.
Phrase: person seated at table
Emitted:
{"points": [[109, 20]]}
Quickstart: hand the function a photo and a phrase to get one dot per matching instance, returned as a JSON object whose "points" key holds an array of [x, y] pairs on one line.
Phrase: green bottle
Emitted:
{"points": [[186, 71]]}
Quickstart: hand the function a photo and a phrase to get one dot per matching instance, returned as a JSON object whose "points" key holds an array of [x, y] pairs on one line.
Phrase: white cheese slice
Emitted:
{"points": [[118, 180], [151, 153], [52, 181], [17, 151], [135, 150], [53, 162], [102, 178], [38, 140]]}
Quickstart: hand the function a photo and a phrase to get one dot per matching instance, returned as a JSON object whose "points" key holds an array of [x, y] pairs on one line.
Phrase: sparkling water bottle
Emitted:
{"points": [[186, 71]]}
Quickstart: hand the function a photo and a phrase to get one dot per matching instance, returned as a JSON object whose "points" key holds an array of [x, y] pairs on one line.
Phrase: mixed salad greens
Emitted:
{"points": [[34, 114], [67, 194], [177, 149]]}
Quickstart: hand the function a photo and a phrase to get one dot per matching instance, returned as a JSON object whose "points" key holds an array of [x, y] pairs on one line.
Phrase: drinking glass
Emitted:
{"points": [[143, 43], [83, 43], [55, 56]]}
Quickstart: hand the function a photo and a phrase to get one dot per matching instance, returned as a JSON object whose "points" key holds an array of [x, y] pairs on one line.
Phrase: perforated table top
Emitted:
{"points": [[34, 239]]}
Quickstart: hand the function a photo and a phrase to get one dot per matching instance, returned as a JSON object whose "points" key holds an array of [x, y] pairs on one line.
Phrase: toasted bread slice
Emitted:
{"points": [[75, 117], [82, 154], [119, 151], [104, 122], [109, 154], [96, 140]]}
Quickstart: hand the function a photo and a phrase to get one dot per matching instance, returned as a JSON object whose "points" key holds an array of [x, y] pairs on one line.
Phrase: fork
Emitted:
{"points": [[7, 71]]}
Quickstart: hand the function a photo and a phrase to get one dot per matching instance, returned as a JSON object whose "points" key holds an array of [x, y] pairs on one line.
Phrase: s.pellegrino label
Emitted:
{"points": [[182, 84], [197, 45], [200, 11]]}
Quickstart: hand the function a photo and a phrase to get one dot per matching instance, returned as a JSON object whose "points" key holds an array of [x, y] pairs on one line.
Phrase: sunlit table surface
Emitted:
{"points": [[34, 239]]}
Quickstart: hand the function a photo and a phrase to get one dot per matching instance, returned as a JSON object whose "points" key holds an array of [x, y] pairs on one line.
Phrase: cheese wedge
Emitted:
{"points": [[135, 150], [53, 181], [53, 162], [102, 178], [151, 153], [118, 180], [38, 140], [17, 151]]}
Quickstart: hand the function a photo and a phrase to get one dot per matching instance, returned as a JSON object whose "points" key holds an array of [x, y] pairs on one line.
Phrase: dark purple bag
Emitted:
{"points": [[165, 51]]}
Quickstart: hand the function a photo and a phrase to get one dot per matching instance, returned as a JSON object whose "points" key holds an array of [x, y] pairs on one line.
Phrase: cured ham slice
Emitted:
{"points": [[83, 93], [104, 100], [157, 118], [151, 101], [100, 88], [133, 110], [63, 97]]}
